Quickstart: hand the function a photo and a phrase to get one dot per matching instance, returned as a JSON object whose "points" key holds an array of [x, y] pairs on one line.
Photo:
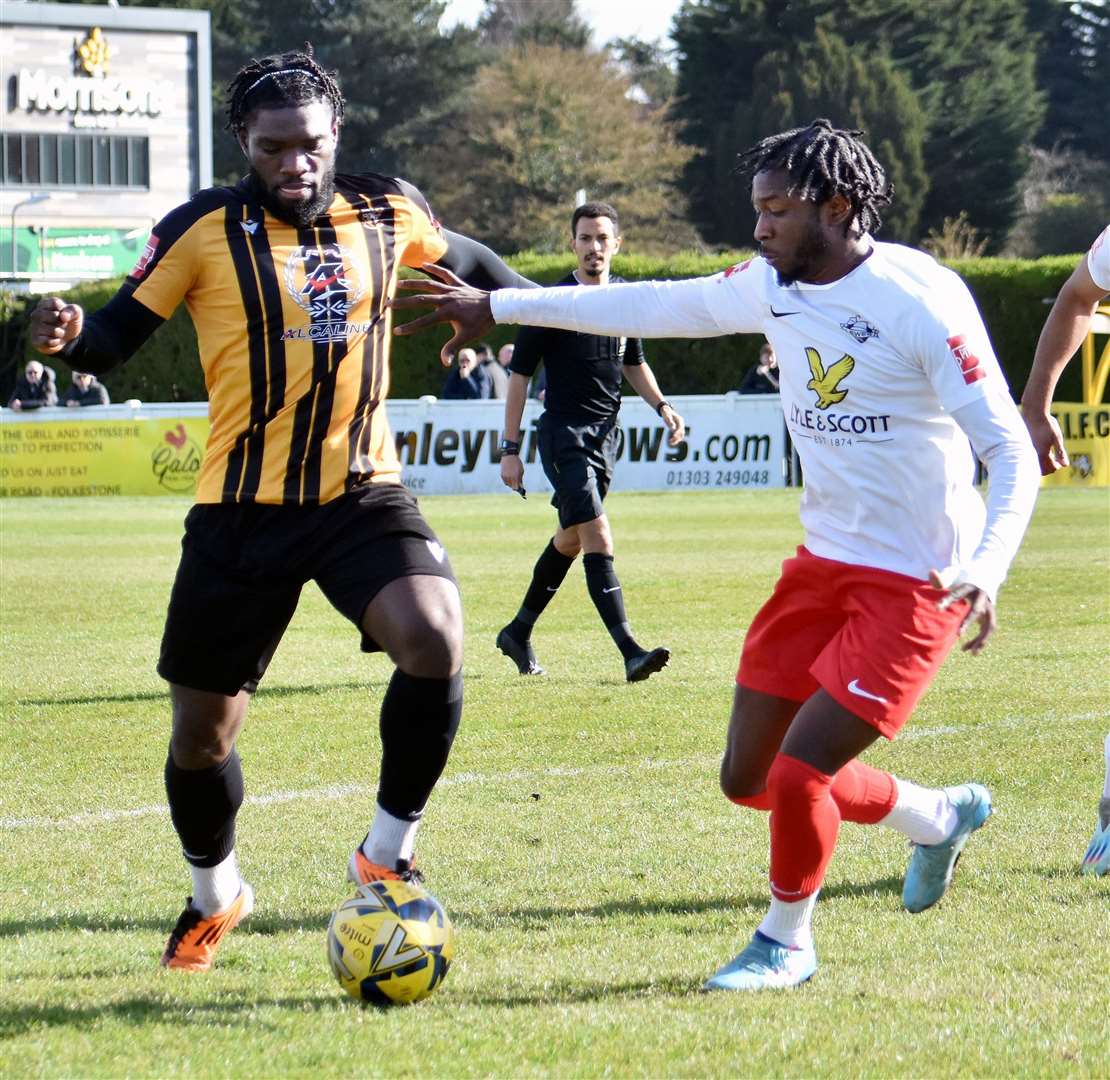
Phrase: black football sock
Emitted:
{"points": [[418, 724], [203, 805], [605, 592], [549, 572]]}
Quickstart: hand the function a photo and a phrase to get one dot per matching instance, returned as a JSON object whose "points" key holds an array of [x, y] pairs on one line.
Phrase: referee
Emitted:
{"points": [[578, 439]]}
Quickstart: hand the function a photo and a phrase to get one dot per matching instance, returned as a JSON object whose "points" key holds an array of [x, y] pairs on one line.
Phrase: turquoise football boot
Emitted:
{"points": [[765, 965], [931, 865], [1097, 859]]}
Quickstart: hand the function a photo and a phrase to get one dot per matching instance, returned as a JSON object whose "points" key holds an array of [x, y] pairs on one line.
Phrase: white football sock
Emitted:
{"points": [[215, 887], [923, 814], [1106, 782], [390, 839], [790, 922]]}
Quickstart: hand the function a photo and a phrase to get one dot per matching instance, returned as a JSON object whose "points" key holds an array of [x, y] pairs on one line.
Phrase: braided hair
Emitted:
{"points": [[285, 80], [823, 161]]}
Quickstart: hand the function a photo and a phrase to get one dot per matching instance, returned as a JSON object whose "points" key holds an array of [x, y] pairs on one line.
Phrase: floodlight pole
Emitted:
{"points": [[42, 196]]}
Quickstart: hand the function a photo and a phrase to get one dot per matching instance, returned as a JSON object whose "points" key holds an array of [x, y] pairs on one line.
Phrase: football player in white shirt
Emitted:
{"points": [[1068, 323], [889, 385]]}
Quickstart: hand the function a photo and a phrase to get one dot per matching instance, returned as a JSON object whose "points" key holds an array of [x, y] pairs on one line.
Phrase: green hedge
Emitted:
{"points": [[1014, 296]]}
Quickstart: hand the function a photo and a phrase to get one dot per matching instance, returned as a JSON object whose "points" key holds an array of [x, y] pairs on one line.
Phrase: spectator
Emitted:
{"points": [[498, 376], [86, 390], [764, 377], [34, 388], [466, 380]]}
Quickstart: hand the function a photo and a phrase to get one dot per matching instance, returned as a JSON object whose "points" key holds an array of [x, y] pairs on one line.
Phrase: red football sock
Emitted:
{"points": [[804, 823], [862, 794]]}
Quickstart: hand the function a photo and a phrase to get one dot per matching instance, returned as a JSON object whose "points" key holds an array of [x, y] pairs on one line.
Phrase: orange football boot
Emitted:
{"points": [[361, 871], [195, 938]]}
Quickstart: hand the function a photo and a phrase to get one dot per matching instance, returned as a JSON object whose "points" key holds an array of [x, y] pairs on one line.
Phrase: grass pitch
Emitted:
{"points": [[594, 872]]}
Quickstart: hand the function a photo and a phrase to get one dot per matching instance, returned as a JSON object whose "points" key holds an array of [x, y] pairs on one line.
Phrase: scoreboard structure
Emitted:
{"points": [[107, 125]]}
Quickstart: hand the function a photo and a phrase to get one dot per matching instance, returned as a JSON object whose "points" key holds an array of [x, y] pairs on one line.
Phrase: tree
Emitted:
{"points": [[1065, 200], [541, 125], [508, 23], [1072, 65], [970, 64], [647, 64], [824, 77]]}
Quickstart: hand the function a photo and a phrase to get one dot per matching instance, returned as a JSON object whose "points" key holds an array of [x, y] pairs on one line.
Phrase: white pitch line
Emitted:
{"points": [[342, 791]]}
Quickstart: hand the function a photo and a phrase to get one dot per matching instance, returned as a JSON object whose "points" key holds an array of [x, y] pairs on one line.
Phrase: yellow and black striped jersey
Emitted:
{"points": [[293, 326]]}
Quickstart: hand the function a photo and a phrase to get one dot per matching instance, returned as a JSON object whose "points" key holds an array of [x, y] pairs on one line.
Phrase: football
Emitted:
{"points": [[390, 944]]}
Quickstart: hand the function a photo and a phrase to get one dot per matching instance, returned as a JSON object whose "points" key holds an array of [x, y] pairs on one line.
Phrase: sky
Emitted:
{"points": [[646, 19]]}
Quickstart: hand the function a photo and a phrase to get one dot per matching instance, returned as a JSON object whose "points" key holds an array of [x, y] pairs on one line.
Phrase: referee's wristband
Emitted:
{"points": [[659, 407]]}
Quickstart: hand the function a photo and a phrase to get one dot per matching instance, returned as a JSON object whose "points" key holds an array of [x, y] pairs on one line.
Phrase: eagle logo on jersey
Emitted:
{"points": [[859, 328], [824, 383], [325, 282]]}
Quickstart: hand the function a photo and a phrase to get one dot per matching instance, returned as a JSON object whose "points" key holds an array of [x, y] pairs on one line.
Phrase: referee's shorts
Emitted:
{"points": [[243, 566], [578, 459]]}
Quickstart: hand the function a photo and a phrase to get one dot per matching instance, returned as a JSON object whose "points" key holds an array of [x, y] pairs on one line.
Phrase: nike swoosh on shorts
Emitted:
{"points": [[855, 688]]}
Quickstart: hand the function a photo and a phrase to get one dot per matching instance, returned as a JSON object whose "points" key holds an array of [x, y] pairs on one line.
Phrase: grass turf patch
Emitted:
{"points": [[578, 839]]}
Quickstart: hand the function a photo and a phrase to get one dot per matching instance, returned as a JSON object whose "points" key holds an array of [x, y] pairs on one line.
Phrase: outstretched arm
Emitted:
{"points": [[635, 309], [1067, 325]]}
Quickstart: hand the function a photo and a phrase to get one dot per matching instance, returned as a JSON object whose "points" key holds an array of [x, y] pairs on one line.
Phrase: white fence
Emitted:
{"points": [[445, 447]]}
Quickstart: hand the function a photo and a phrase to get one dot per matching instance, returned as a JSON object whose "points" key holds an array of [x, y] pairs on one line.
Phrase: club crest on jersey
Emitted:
{"points": [[826, 382], [370, 217], [327, 284], [859, 328]]}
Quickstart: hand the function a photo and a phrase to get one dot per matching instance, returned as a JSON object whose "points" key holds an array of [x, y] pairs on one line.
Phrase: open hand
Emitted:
{"points": [[452, 301]]}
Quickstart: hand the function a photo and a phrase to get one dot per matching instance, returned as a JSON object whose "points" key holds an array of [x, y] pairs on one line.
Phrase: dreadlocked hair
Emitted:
{"points": [[286, 80], [823, 161]]}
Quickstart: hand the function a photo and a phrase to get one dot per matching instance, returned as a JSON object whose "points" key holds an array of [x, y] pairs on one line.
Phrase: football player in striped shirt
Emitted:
{"points": [[287, 276]]}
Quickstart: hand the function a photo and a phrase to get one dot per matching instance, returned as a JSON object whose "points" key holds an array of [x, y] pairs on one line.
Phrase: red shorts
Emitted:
{"points": [[872, 639]]}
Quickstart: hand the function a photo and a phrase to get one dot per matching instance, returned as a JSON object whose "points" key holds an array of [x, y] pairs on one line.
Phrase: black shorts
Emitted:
{"points": [[578, 459], [242, 568]]}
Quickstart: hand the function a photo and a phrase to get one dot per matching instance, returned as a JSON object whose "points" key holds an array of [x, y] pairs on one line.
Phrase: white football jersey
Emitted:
{"points": [[1098, 260], [872, 366]]}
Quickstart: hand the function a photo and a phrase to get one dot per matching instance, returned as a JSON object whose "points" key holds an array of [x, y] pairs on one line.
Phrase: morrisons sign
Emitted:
{"points": [[92, 89], [56, 93]]}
